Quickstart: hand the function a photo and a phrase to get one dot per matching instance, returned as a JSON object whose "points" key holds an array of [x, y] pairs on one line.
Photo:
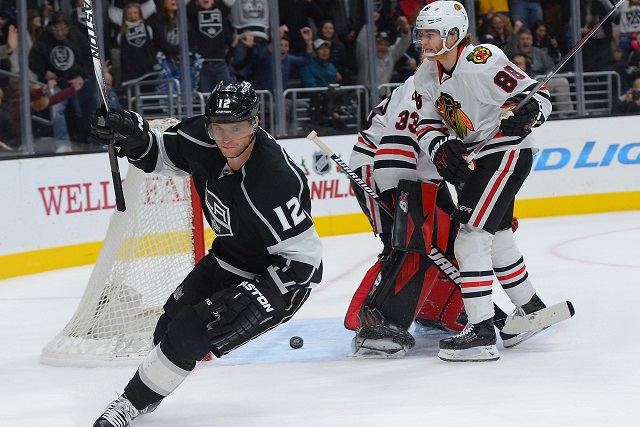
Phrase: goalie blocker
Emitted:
{"points": [[406, 282]]}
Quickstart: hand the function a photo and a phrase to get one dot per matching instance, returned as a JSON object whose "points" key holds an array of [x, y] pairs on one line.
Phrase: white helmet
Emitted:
{"points": [[447, 17]]}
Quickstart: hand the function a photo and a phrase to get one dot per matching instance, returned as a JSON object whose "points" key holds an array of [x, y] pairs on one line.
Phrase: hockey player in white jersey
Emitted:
{"points": [[266, 254], [466, 91], [402, 285]]}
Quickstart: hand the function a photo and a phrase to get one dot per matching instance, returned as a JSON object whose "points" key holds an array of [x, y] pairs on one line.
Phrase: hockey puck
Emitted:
{"points": [[296, 342]]}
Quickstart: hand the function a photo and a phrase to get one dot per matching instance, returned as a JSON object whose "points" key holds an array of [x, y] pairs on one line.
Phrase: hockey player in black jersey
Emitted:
{"points": [[266, 254]]}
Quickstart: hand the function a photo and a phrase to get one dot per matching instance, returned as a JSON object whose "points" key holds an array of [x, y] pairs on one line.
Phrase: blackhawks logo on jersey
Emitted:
{"points": [[480, 55], [453, 115]]}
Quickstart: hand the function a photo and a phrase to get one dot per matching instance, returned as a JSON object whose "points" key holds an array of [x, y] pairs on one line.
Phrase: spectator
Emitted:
{"points": [[600, 52], [242, 53], [632, 68], [210, 36], [321, 72], [539, 65], [297, 14], [338, 52], [497, 30], [629, 28], [112, 97], [55, 55], [348, 18], [527, 11], [386, 53], [6, 50], [629, 24], [115, 12], [137, 52], [165, 30], [546, 42], [630, 102], [486, 9], [289, 62], [522, 61], [252, 15], [41, 98]]}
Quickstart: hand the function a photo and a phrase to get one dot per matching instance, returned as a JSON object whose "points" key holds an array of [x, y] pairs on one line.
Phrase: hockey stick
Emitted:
{"points": [[102, 88], [546, 316], [439, 259], [545, 80]]}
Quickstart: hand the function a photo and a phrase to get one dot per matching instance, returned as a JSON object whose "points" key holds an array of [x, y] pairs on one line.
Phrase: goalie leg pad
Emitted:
{"points": [[414, 216], [351, 320], [443, 307], [407, 290]]}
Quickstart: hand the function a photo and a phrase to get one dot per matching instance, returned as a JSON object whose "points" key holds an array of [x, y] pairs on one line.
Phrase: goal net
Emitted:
{"points": [[147, 252]]}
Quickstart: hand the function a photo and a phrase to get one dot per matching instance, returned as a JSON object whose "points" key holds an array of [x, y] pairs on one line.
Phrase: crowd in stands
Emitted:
{"points": [[322, 43]]}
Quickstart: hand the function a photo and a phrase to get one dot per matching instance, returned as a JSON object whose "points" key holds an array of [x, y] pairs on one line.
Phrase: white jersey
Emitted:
{"points": [[389, 141], [467, 103]]}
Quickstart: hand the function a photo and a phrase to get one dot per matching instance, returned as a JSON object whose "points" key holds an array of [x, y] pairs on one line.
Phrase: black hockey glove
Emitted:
{"points": [[522, 120], [235, 313], [131, 131], [448, 155]]}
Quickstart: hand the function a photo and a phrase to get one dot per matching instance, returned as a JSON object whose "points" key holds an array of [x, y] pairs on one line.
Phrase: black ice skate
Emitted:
{"points": [[476, 343], [119, 413], [510, 340]]}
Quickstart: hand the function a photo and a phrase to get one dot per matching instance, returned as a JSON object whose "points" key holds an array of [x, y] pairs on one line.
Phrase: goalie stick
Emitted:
{"points": [[543, 82], [513, 324], [102, 88]]}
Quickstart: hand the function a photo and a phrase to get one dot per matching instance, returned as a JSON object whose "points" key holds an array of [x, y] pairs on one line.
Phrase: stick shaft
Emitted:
{"points": [[547, 77], [102, 89]]}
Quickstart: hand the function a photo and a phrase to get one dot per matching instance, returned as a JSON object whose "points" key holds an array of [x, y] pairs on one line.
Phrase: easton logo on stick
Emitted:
{"points": [[93, 40]]}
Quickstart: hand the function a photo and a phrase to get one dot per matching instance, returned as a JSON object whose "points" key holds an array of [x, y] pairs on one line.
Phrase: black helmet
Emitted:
{"points": [[232, 102]]}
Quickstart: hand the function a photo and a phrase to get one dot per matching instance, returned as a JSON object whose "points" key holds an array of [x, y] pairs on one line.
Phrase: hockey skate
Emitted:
{"points": [[511, 340], [381, 342], [476, 343], [118, 413]]}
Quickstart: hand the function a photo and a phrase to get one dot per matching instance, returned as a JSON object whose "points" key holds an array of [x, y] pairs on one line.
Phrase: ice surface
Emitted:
{"points": [[582, 372]]}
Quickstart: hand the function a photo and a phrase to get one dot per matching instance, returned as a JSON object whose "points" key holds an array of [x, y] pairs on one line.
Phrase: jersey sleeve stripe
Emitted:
{"points": [[395, 152]]}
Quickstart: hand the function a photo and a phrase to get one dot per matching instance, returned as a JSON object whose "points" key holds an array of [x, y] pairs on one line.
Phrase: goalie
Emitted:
{"points": [[404, 284], [266, 254]]}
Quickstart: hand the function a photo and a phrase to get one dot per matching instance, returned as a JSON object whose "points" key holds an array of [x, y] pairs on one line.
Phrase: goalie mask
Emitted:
{"points": [[449, 18]]}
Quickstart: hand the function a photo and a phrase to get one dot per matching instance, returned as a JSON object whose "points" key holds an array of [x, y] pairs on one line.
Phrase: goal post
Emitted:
{"points": [[147, 252]]}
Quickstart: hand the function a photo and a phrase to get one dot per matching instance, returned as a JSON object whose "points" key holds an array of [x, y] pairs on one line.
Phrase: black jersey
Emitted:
{"points": [[261, 214]]}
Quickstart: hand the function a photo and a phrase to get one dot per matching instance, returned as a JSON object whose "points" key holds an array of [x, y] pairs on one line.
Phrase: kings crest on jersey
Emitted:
{"points": [[467, 106], [261, 214]]}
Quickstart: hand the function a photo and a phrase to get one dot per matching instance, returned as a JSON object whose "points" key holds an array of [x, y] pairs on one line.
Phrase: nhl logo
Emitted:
{"points": [[321, 163]]}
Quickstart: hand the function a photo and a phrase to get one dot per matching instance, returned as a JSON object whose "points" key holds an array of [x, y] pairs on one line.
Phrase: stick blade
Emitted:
{"points": [[539, 319]]}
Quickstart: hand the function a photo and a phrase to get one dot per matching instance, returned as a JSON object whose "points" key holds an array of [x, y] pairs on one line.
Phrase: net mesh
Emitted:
{"points": [[147, 252]]}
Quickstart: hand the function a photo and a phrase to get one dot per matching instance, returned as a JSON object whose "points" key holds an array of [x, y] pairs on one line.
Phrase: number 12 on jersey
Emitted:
{"points": [[292, 215]]}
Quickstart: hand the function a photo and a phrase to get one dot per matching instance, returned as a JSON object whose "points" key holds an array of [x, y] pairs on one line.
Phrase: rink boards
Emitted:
{"points": [[55, 210]]}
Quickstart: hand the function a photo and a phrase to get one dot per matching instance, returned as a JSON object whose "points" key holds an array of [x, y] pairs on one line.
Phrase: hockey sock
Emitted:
{"points": [[510, 269]]}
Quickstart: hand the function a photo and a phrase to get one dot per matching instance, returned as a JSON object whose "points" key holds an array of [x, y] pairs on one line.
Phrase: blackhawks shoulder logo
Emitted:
{"points": [[480, 55], [453, 115]]}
